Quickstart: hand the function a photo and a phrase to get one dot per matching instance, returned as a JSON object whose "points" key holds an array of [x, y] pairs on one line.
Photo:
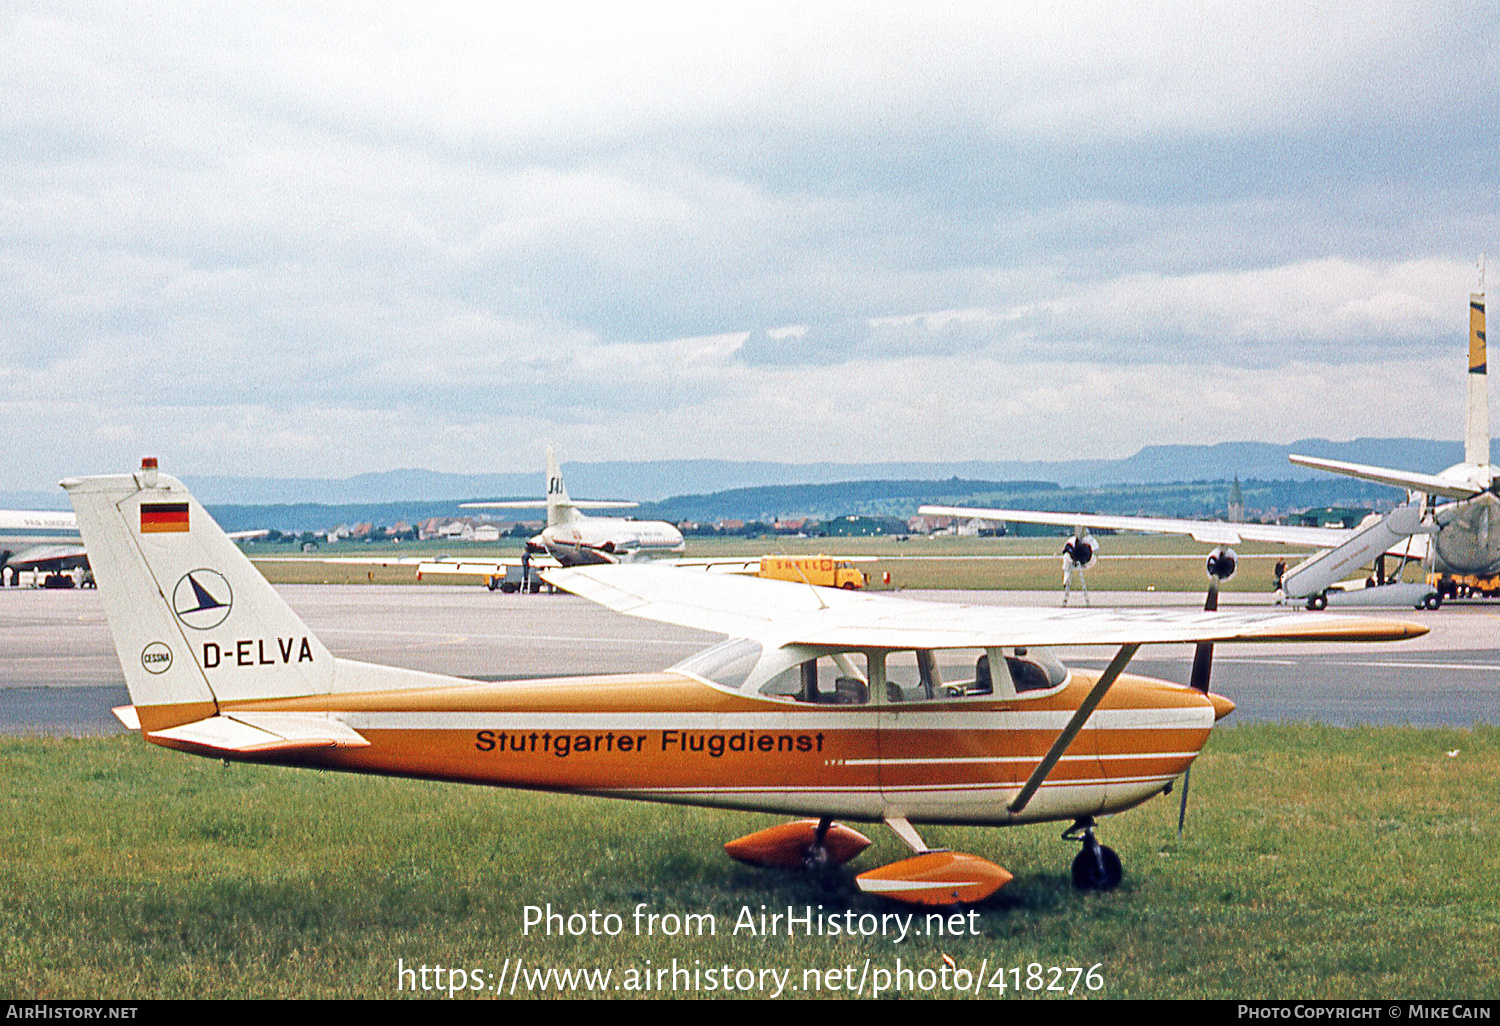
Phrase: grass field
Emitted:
{"points": [[1127, 563], [1318, 862]]}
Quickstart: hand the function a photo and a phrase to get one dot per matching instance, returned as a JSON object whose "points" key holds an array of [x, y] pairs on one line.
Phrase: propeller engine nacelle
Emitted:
{"points": [[1221, 564], [1082, 551]]}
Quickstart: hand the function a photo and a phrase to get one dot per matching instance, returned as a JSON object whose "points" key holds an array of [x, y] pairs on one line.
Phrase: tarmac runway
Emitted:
{"points": [[59, 673]]}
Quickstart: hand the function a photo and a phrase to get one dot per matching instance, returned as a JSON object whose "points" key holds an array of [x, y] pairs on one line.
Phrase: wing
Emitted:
{"points": [[47, 557], [717, 565], [481, 567], [1429, 483], [784, 613], [1213, 532], [542, 504]]}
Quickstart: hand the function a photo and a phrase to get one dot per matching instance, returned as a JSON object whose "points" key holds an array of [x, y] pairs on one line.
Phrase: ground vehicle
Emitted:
{"points": [[1465, 585], [513, 579], [824, 570]]}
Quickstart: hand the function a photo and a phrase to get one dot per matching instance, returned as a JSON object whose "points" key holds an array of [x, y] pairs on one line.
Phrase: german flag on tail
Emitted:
{"points": [[163, 517]]}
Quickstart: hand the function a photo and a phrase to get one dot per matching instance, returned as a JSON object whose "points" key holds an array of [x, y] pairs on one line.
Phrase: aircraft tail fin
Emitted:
{"points": [[560, 508], [194, 623], [1477, 420]]}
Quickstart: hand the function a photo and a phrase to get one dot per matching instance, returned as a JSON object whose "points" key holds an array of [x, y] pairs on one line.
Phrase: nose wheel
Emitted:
{"points": [[1096, 867]]}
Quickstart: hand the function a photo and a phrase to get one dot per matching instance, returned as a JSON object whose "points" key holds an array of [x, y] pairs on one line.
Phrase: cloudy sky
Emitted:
{"points": [[320, 239]]}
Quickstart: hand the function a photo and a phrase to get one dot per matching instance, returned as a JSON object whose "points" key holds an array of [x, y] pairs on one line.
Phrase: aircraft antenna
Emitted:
{"points": [[800, 573]]}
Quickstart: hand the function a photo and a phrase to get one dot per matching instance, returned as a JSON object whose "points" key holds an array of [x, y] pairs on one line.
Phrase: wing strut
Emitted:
{"points": [[1085, 709]]}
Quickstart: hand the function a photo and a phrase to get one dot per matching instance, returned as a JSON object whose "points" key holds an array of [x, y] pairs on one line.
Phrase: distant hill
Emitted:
{"points": [[656, 480], [1206, 499], [825, 501]]}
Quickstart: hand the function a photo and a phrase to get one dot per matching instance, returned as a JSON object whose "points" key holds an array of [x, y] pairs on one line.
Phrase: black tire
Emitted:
{"points": [[1316, 602], [1432, 601], [1101, 874]]}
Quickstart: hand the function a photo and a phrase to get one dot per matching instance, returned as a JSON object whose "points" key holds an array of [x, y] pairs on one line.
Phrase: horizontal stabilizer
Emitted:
{"points": [[1431, 484], [255, 733], [127, 715]]}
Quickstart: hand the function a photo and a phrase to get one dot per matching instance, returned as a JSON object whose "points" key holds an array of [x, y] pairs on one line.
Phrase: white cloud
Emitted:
{"points": [[438, 234]]}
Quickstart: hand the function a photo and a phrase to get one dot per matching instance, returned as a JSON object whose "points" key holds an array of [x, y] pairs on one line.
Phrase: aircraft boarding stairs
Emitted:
{"points": [[1311, 578]]}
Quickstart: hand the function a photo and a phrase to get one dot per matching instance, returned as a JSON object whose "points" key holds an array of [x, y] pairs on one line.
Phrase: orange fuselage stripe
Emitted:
{"points": [[667, 732]]}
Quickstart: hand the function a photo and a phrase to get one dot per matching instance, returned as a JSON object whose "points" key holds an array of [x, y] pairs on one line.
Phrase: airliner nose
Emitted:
{"points": [[1222, 706]]}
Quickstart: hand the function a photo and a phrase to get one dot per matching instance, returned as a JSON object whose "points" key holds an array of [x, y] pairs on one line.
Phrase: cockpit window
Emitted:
{"points": [[1039, 668], [803, 674], [920, 675], [728, 663], [840, 679]]}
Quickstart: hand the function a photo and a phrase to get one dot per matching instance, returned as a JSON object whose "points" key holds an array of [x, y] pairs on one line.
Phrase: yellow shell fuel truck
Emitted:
{"points": [[827, 571]]}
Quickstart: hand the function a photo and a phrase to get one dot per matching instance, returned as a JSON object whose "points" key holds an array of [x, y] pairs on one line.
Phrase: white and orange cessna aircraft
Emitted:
{"points": [[823, 704]]}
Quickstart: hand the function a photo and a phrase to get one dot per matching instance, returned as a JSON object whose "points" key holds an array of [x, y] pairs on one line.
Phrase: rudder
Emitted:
{"points": [[1477, 419], [194, 623]]}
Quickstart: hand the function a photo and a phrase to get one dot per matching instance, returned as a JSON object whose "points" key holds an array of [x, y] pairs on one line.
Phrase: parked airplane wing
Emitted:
{"points": [[47, 557], [1213, 532], [784, 613], [718, 564], [481, 567], [1429, 483], [542, 504]]}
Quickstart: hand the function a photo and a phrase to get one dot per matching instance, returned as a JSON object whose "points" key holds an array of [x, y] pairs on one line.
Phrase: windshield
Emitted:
{"points": [[797, 673], [728, 663]]}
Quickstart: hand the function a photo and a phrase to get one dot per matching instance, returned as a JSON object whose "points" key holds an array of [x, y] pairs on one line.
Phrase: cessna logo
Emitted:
{"points": [[156, 657], [202, 599]]}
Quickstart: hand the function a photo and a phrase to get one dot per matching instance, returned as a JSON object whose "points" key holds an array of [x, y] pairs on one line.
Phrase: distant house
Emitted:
{"points": [[926, 523], [1330, 516], [858, 526]]}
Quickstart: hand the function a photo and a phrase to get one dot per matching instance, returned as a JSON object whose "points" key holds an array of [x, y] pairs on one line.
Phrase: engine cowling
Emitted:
{"points": [[1221, 564], [1082, 552]]}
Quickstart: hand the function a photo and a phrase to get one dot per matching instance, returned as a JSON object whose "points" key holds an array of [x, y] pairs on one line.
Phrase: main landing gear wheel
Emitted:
{"points": [[1316, 602], [1096, 867]]}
